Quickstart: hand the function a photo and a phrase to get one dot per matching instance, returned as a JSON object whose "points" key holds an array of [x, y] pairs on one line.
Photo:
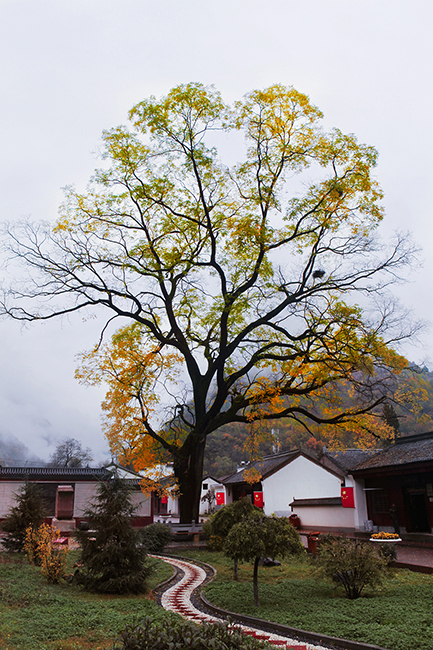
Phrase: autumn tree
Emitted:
{"points": [[236, 284], [70, 453]]}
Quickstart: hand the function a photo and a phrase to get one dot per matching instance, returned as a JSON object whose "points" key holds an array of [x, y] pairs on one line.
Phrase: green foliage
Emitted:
{"points": [[214, 543], [36, 615], [112, 558], [220, 522], [261, 536], [183, 634], [397, 615], [155, 537], [29, 511], [388, 552], [351, 563]]}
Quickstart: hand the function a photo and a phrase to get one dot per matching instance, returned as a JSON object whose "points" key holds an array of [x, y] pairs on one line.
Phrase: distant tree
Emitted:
{"points": [[113, 559], [261, 536], [390, 417], [29, 512], [70, 453]]}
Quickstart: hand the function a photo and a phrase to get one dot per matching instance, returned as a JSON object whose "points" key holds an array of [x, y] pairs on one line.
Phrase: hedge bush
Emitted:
{"points": [[155, 537]]}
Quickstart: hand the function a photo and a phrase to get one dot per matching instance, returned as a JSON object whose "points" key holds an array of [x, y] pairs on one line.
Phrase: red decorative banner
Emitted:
{"points": [[220, 498], [164, 499], [347, 498], [258, 499]]}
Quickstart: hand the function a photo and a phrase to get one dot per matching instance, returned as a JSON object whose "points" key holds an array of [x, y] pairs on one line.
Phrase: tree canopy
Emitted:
{"points": [[258, 537], [246, 291]]}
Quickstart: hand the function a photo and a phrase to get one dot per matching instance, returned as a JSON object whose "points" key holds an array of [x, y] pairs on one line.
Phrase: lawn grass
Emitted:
{"points": [[397, 616], [37, 616]]}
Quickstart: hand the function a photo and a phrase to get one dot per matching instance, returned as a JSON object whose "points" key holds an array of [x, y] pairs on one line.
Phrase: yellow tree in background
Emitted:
{"points": [[246, 290]]}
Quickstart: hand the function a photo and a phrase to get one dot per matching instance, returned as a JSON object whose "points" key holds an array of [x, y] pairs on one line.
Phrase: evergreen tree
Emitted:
{"points": [[113, 560], [29, 512]]}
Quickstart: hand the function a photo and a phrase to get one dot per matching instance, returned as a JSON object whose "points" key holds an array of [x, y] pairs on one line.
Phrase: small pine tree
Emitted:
{"points": [[112, 558], [28, 513]]}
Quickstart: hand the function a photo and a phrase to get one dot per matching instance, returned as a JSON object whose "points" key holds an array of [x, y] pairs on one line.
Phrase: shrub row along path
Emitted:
{"points": [[177, 598]]}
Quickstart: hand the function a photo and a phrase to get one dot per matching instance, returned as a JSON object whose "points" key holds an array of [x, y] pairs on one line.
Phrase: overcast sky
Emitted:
{"points": [[71, 68]]}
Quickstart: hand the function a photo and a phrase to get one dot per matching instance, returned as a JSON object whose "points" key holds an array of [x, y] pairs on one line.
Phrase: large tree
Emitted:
{"points": [[237, 283], [70, 453]]}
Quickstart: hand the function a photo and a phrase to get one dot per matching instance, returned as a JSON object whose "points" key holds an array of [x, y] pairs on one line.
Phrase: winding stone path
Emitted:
{"points": [[178, 599]]}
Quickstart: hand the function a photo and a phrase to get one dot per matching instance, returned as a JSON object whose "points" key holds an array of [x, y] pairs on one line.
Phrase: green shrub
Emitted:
{"points": [[350, 563], [167, 635], [112, 558], [388, 552], [215, 543], [155, 537]]}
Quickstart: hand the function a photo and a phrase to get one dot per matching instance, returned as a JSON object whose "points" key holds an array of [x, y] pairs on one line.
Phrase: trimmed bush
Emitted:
{"points": [[351, 563], [155, 537], [179, 635]]}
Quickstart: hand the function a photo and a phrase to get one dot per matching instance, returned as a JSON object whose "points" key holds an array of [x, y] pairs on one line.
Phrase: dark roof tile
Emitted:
{"points": [[405, 450]]}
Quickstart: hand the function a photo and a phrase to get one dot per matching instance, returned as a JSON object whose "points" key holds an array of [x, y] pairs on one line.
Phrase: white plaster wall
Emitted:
{"points": [[8, 490], [211, 483], [326, 516], [361, 514], [300, 479]]}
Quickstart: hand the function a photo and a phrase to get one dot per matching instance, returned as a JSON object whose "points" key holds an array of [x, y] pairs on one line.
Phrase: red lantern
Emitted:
{"points": [[347, 498], [258, 499], [220, 498]]}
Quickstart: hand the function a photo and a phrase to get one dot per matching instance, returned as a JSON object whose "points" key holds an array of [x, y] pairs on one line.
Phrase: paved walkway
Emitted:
{"points": [[415, 556], [178, 599]]}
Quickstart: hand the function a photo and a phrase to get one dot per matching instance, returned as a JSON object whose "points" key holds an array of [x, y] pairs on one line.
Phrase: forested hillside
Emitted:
{"points": [[232, 444]]}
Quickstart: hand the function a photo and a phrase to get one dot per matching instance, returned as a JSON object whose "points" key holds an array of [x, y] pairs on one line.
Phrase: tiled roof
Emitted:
{"points": [[266, 467], [59, 474], [406, 450], [347, 459], [44, 472], [321, 501]]}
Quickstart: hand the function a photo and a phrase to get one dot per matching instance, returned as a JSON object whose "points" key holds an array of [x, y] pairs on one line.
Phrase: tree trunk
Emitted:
{"points": [[256, 582], [235, 569], [189, 474]]}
